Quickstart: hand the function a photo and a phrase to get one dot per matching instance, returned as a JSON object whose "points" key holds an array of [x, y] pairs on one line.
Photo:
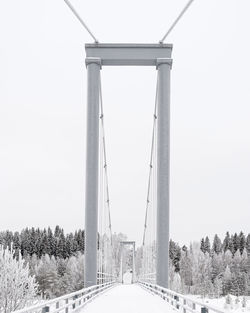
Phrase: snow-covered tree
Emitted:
{"points": [[203, 277], [237, 302], [75, 273], [116, 239], [176, 285], [218, 287], [175, 254], [171, 275], [227, 258], [47, 277], [228, 302], [186, 270], [244, 302], [227, 281], [217, 266], [17, 287]]}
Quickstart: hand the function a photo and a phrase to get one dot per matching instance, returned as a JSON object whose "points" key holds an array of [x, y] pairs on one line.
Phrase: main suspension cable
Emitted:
{"points": [[177, 20], [80, 19]]}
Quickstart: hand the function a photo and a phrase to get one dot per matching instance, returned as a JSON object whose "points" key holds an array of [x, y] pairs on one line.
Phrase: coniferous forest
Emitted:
{"points": [[215, 268], [208, 268]]}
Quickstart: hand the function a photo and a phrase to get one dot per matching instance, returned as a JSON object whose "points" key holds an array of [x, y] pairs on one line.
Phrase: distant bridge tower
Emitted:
{"points": [[122, 244], [98, 55]]}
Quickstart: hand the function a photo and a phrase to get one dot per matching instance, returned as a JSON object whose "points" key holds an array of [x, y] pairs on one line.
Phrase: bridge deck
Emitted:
{"points": [[127, 299]]}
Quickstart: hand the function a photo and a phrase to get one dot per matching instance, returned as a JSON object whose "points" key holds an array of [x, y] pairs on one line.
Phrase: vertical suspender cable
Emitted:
{"points": [[150, 165], [149, 230], [107, 213]]}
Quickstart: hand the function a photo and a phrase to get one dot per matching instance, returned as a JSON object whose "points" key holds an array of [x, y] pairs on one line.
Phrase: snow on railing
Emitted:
{"points": [[180, 302], [70, 302]]}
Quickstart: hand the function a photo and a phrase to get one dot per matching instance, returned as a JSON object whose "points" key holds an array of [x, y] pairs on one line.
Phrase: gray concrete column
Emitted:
{"points": [[92, 168], [163, 146]]}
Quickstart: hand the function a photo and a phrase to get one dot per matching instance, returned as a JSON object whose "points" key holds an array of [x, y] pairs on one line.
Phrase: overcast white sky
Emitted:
{"points": [[43, 114]]}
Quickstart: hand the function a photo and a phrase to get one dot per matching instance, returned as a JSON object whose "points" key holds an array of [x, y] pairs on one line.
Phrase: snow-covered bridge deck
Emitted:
{"points": [[127, 299]]}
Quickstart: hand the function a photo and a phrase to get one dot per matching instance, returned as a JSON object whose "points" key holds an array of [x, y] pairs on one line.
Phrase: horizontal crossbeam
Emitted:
{"points": [[128, 54], [127, 242]]}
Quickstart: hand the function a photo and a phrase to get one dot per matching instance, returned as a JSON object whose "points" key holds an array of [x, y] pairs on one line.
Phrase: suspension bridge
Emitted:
{"points": [[105, 289]]}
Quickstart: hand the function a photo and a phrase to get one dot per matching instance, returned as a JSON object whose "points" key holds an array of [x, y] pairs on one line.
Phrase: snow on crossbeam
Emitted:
{"points": [[70, 302], [179, 301]]}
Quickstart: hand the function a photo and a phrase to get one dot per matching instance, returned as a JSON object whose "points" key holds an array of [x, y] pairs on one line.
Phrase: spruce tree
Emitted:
{"points": [[51, 242], [248, 244], [242, 242], [57, 231], [202, 247], [16, 245], [80, 240], [61, 246], [226, 242], [217, 245], [45, 243], [236, 242], [207, 245], [231, 244], [32, 236]]}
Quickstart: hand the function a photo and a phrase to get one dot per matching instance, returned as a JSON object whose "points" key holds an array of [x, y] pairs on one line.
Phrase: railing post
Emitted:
{"points": [[184, 303], [57, 305], [163, 297], [176, 298], [194, 306], [67, 309]]}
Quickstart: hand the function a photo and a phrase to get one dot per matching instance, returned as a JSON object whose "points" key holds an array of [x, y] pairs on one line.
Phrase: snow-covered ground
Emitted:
{"points": [[220, 304], [127, 299]]}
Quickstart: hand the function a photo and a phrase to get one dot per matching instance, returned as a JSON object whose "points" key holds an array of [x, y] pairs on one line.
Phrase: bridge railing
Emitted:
{"points": [[148, 277], [103, 278], [179, 302], [70, 302]]}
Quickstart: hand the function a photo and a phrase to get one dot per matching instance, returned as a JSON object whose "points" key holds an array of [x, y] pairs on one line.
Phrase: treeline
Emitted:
{"points": [[41, 242], [233, 243], [216, 269]]}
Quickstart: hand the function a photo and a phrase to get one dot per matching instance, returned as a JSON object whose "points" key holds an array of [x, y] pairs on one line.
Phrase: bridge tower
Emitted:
{"points": [[97, 56]]}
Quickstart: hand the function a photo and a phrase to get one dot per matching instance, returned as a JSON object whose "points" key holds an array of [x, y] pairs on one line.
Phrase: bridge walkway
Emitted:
{"points": [[127, 299]]}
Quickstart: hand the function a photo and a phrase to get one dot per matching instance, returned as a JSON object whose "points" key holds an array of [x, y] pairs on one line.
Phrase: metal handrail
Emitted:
{"points": [[74, 299], [174, 298]]}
